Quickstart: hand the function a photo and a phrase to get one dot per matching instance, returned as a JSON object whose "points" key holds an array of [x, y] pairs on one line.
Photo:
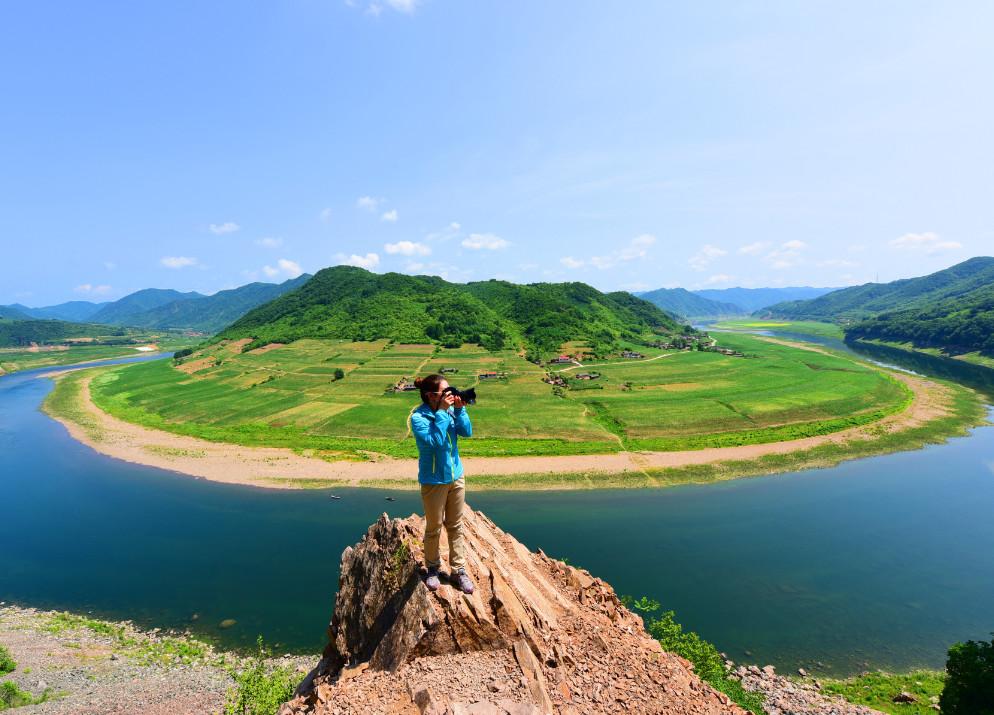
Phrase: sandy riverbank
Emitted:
{"points": [[275, 467]]}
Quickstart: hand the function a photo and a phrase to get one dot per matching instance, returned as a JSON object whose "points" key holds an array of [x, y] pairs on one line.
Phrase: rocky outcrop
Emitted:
{"points": [[537, 636], [784, 696]]}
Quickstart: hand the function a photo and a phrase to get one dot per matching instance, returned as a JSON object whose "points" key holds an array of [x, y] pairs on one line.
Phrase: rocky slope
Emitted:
{"points": [[537, 636]]}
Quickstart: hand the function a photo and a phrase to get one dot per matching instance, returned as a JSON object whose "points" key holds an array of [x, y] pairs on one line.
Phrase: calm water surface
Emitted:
{"points": [[878, 562]]}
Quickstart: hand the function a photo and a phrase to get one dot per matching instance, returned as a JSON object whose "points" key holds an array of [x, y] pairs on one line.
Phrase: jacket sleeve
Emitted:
{"points": [[431, 432], [464, 428]]}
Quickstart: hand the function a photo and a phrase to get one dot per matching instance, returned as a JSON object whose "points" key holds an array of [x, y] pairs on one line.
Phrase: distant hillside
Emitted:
{"points": [[955, 325], [964, 281], [124, 311], [352, 303], [10, 312], [211, 313], [21, 333], [683, 303], [752, 299], [74, 311]]}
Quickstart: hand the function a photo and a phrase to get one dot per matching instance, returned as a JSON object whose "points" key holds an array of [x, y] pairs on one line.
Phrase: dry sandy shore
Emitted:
{"points": [[281, 468]]}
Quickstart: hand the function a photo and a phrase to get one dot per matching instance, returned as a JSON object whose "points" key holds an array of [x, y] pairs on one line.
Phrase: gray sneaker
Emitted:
{"points": [[461, 581], [432, 581]]}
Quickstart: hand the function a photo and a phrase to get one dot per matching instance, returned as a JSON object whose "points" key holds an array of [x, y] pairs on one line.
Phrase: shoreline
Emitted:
{"points": [[281, 468]]}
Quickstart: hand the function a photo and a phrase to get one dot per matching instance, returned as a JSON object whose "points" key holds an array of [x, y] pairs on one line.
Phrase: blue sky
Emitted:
{"points": [[199, 146]]}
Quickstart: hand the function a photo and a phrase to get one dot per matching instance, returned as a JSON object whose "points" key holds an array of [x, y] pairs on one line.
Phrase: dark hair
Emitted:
{"points": [[428, 385]]}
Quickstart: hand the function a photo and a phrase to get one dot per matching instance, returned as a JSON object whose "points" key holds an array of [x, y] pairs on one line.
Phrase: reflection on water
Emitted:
{"points": [[876, 562]]}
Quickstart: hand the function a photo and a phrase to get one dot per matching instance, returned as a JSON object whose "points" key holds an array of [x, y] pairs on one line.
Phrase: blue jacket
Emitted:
{"points": [[437, 435]]}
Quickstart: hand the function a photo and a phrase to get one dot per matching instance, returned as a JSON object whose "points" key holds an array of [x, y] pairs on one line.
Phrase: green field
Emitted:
{"points": [[679, 400], [17, 359], [805, 327]]}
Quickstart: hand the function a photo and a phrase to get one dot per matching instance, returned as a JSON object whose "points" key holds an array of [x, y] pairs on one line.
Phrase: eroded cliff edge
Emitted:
{"points": [[537, 636]]}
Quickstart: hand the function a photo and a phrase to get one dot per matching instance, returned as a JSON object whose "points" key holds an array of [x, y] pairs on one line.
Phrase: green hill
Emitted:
{"points": [[75, 311], [211, 313], [21, 333], [9, 312], [683, 303], [125, 310], [354, 304], [956, 325], [964, 281]]}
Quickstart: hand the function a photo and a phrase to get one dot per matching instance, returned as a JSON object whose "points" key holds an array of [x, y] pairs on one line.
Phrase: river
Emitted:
{"points": [[878, 562]]}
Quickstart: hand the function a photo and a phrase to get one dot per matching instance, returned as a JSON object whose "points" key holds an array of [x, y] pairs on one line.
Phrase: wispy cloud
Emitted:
{"points": [[269, 242], [390, 216], [219, 229], [484, 241], [375, 8], [368, 203], [786, 255], [754, 249], [407, 248], [90, 289], [179, 261], [706, 256], [369, 261], [634, 249], [927, 242], [110, 265], [719, 278], [325, 215], [571, 262], [284, 266]]}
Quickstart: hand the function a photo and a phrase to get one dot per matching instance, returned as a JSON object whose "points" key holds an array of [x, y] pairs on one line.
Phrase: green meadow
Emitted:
{"points": [[17, 359], [805, 327], [671, 400]]}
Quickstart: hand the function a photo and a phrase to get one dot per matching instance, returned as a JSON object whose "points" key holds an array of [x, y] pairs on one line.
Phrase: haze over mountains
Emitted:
{"points": [[724, 302]]}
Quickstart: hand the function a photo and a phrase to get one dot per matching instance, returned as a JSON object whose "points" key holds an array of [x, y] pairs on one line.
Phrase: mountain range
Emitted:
{"points": [[160, 309], [354, 304]]}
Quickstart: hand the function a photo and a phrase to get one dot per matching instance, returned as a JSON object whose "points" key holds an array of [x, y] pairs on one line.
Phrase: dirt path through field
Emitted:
{"points": [[282, 468]]}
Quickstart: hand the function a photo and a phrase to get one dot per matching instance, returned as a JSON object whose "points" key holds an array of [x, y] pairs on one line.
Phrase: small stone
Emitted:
{"points": [[769, 671], [114, 656], [227, 623], [904, 697], [802, 672]]}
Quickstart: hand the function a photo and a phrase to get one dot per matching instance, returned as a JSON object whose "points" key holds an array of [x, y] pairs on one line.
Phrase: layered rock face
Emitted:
{"points": [[537, 636]]}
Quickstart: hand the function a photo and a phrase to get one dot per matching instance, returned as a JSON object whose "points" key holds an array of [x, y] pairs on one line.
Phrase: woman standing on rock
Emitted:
{"points": [[438, 423]]}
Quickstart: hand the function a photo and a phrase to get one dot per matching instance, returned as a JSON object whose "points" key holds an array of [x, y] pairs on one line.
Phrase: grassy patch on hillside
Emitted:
{"points": [[290, 396], [877, 690], [18, 359]]}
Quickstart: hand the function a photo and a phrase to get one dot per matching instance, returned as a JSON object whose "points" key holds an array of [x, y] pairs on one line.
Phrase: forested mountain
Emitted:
{"points": [[683, 303], [123, 311], [74, 311], [21, 333], [964, 282], [10, 312], [956, 325], [752, 299], [352, 303], [211, 313]]}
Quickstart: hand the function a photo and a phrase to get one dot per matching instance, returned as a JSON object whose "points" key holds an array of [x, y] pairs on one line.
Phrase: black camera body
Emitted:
{"points": [[467, 396]]}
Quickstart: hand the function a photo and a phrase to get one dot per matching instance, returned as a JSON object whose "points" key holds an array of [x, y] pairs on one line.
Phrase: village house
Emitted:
{"points": [[491, 375], [561, 359], [632, 354], [588, 376]]}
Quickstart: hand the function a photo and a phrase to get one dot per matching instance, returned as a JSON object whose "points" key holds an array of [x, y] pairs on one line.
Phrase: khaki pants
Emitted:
{"points": [[443, 505]]}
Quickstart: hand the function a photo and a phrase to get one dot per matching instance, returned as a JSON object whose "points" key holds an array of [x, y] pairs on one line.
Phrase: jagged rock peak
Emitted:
{"points": [[537, 636]]}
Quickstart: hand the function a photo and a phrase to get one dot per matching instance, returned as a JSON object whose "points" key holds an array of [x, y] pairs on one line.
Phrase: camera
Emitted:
{"points": [[467, 396]]}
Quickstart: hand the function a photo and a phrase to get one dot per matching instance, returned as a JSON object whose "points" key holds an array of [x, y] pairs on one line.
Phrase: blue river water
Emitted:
{"points": [[879, 562]]}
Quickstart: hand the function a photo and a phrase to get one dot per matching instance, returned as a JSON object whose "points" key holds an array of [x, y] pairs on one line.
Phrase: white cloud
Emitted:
{"points": [[407, 6], [753, 249], [219, 229], [369, 261], [636, 286], [786, 255], [110, 265], [90, 289], [704, 257], [368, 203], [927, 242], [837, 263], [446, 234], [178, 261], [375, 8], [484, 241], [390, 216], [635, 249], [284, 266], [325, 215], [571, 262], [407, 248], [414, 267], [269, 242]]}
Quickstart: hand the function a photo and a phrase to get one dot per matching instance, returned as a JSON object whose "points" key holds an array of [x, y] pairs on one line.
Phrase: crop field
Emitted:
{"points": [[808, 327], [288, 396], [17, 359]]}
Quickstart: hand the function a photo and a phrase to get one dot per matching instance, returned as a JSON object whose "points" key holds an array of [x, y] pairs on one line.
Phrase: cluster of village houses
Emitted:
{"points": [[406, 384]]}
